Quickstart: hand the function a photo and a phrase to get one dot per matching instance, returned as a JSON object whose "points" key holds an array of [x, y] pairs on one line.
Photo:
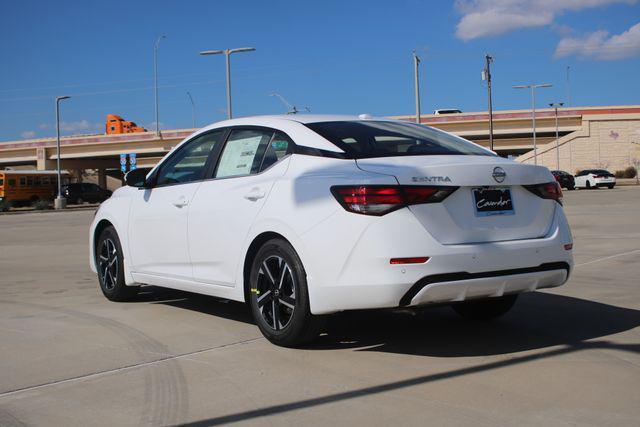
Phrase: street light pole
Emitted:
{"points": [[193, 109], [227, 53], [155, 81], [555, 106], [533, 88], [416, 65], [487, 76], [60, 202]]}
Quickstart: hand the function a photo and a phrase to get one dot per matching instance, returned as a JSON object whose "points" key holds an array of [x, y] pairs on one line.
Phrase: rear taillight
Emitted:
{"points": [[549, 190], [381, 199]]}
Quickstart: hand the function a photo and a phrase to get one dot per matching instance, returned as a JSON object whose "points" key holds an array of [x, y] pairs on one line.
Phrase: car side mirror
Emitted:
{"points": [[137, 178]]}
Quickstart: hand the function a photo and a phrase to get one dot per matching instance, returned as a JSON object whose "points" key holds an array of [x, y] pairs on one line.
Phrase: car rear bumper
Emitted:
{"points": [[455, 287], [363, 278]]}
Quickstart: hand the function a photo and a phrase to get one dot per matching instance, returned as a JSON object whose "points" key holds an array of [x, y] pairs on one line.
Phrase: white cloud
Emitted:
{"points": [[486, 18], [80, 126], [28, 134], [600, 45]]}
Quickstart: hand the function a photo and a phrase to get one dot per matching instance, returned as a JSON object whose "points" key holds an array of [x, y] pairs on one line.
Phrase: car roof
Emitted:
{"points": [[293, 125], [300, 118]]}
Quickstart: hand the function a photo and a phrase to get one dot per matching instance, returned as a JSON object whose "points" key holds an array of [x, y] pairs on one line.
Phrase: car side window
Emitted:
{"points": [[189, 162], [279, 146], [243, 152]]}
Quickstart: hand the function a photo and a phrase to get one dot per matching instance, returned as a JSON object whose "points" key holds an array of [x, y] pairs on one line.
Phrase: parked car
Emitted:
{"points": [[303, 216], [594, 178], [565, 179], [85, 192], [447, 111]]}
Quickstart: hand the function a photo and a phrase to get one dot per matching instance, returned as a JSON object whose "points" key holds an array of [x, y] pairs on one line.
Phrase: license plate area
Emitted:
{"points": [[490, 201]]}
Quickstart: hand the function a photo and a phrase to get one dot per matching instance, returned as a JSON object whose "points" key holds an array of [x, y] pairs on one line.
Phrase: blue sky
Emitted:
{"points": [[333, 56]]}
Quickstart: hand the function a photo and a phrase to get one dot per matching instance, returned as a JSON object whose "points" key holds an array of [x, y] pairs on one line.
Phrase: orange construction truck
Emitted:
{"points": [[116, 124]]}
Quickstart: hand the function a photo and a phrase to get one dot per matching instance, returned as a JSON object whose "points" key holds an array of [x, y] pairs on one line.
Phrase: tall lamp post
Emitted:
{"points": [[60, 202], [555, 106], [533, 88], [155, 80], [193, 109], [416, 67], [227, 53]]}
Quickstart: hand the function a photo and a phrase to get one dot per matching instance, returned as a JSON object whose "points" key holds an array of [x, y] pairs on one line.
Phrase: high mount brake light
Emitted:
{"points": [[379, 200], [548, 190]]}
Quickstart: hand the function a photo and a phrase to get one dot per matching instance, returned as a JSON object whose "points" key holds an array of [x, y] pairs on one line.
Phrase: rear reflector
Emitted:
{"points": [[548, 190], [414, 260], [568, 246], [381, 199]]}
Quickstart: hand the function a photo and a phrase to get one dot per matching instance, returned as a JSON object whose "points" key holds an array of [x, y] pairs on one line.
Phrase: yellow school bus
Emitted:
{"points": [[20, 187]]}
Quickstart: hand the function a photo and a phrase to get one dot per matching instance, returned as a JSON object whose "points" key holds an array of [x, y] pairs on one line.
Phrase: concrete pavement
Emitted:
{"points": [[565, 356]]}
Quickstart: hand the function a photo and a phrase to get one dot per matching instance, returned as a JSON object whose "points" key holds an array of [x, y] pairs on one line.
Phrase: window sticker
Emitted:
{"points": [[238, 156]]}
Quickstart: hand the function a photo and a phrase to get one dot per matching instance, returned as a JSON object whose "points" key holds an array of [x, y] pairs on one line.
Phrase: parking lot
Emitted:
{"points": [[68, 356]]}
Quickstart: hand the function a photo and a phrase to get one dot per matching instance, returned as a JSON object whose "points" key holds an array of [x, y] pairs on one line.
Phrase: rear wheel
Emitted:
{"points": [[109, 260], [588, 185], [571, 187], [611, 186], [485, 309], [279, 296], [79, 200]]}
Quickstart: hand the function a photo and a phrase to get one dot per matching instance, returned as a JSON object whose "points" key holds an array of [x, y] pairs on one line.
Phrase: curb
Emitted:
{"points": [[44, 211]]}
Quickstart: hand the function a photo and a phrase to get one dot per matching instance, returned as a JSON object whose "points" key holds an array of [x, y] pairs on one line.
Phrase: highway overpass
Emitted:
{"points": [[602, 136]]}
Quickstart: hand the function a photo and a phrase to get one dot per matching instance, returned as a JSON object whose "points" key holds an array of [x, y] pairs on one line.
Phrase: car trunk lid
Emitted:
{"points": [[456, 220]]}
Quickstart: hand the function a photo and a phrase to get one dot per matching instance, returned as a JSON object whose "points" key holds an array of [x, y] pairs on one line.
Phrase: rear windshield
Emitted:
{"points": [[362, 139]]}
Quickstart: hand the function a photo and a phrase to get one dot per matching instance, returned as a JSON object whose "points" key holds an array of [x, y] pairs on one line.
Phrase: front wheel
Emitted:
{"points": [[110, 263], [611, 186], [279, 297], [485, 309]]}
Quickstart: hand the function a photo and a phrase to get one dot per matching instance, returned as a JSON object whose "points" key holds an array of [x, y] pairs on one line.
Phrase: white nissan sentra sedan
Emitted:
{"points": [[306, 215]]}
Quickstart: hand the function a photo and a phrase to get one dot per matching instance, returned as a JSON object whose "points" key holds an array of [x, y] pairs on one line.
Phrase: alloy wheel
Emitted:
{"points": [[108, 263], [275, 292]]}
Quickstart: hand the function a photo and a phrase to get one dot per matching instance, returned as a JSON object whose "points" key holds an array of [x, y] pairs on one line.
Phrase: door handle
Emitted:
{"points": [[255, 194], [180, 202]]}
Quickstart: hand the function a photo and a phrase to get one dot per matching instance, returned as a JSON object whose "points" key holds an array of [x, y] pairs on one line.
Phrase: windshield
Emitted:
{"points": [[362, 139]]}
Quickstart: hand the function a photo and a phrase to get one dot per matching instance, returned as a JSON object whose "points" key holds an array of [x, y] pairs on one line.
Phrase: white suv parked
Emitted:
{"points": [[303, 216], [594, 178]]}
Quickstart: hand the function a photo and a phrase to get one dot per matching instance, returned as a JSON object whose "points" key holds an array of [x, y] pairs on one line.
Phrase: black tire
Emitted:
{"points": [[278, 285], [588, 185], [79, 201], [573, 187], [611, 186], [485, 309], [110, 265]]}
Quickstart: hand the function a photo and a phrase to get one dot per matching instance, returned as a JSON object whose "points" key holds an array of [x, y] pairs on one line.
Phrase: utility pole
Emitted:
{"points": [[155, 81], [568, 87], [416, 65], [486, 75], [555, 106]]}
